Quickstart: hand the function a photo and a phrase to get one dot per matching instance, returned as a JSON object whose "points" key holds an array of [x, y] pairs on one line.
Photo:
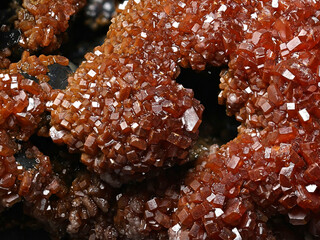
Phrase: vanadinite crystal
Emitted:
{"points": [[43, 23], [82, 210], [272, 88], [122, 108], [128, 118], [144, 210], [24, 92], [25, 173]]}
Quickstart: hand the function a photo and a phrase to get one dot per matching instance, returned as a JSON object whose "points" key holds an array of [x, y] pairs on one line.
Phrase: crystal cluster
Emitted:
{"points": [[24, 91], [33, 25], [272, 88], [82, 210], [25, 173], [144, 210], [129, 119], [122, 108], [43, 23]]}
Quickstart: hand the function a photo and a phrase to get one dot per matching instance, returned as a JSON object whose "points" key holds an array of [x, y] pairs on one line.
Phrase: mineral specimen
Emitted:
{"points": [[43, 23], [24, 92], [34, 25], [144, 210], [82, 210], [122, 107], [25, 173], [125, 114], [270, 168]]}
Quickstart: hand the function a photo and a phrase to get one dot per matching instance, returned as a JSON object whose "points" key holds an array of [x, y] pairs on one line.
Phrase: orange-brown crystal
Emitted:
{"points": [[272, 88], [43, 23], [122, 108]]}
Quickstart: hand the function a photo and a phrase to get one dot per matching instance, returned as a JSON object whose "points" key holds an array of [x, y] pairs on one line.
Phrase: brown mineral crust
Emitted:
{"points": [[272, 65], [43, 22], [8, 172], [190, 34], [272, 166], [23, 95], [122, 106], [144, 209], [39, 182], [82, 211], [244, 183], [17, 181]]}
